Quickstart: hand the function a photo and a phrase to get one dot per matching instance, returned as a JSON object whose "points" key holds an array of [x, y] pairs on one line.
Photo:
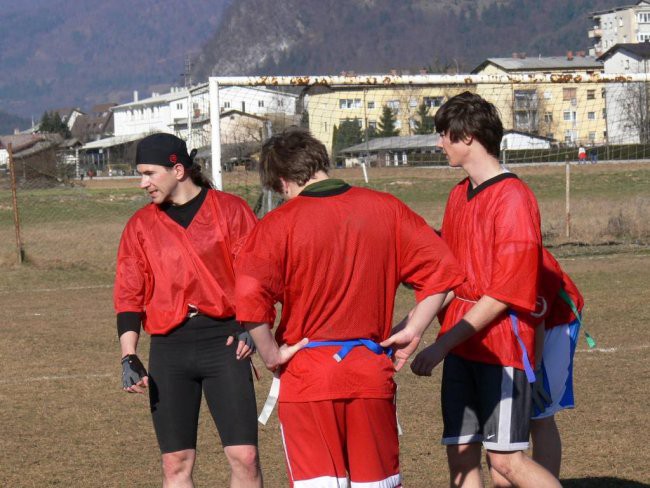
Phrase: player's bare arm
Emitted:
{"points": [[406, 341], [273, 355], [476, 319]]}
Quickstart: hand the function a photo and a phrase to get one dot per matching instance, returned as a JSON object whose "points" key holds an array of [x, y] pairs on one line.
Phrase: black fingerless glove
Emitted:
{"points": [[132, 370]]}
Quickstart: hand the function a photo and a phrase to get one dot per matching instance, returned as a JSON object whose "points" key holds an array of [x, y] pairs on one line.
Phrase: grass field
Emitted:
{"points": [[64, 420]]}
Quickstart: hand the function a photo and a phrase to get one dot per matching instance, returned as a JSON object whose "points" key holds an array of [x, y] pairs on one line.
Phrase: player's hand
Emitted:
{"points": [[135, 378], [286, 352], [427, 359], [404, 343], [541, 398], [245, 345]]}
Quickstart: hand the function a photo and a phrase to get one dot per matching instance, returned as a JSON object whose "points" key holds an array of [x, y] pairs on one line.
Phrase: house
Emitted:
{"points": [[628, 104], [97, 124], [328, 107], [572, 113], [69, 115], [620, 25], [237, 127], [36, 156], [391, 151]]}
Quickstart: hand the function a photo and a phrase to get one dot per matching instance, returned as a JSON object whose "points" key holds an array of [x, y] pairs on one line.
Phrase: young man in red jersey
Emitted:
{"points": [[175, 277], [492, 226], [334, 255]]}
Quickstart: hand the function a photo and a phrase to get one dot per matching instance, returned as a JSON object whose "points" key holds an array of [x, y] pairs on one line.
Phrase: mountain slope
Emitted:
{"points": [[59, 53], [328, 36]]}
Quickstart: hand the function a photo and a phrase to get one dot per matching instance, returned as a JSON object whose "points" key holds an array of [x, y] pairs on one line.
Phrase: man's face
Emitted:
{"points": [[455, 151], [158, 181]]}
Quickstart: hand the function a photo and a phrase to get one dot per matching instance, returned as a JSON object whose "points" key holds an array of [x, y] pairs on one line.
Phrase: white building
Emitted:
{"points": [[628, 104], [620, 25], [513, 140], [169, 112]]}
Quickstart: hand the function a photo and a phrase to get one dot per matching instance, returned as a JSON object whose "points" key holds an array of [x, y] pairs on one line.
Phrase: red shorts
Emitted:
{"points": [[328, 442]]}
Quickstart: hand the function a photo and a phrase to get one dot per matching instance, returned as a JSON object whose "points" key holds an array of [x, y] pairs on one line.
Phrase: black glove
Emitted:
{"points": [[246, 338], [541, 398], [132, 370]]}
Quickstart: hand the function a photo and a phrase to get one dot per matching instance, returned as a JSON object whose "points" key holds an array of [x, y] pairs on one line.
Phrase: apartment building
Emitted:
{"points": [[569, 113], [620, 25]]}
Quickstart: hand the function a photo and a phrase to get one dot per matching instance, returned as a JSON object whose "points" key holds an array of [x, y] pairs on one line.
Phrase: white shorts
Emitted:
{"points": [[557, 367]]}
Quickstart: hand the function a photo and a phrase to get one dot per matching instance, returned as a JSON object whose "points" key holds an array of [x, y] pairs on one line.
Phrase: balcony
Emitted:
{"points": [[595, 32]]}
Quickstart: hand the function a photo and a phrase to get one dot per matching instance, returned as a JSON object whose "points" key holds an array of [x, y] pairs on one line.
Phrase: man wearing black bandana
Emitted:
{"points": [[175, 278]]}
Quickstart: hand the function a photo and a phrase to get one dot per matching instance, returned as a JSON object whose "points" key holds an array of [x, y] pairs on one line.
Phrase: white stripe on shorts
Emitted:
{"points": [[394, 481], [505, 406], [322, 482]]}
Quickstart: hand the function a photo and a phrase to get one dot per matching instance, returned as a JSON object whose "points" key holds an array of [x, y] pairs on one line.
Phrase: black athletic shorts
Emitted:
{"points": [[485, 403], [192, 358]]}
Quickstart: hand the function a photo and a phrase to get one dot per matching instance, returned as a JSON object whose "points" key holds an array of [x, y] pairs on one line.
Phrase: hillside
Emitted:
{"points": [[328, 36], [59, 53], [9, 122]]}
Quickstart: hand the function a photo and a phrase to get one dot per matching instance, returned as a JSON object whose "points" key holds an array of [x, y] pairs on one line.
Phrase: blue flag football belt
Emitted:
{"points": [[345, 348]]}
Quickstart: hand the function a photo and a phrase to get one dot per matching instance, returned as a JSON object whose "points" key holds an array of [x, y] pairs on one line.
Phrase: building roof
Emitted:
{"points": [[542, 63], [527, 134], [112, 141], [598, 13], [398, 143], [640, 50]]}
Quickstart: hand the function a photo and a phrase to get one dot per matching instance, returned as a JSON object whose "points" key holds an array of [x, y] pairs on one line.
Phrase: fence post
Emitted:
{"points": [[215, 122], [14, 200], [568, 197]]}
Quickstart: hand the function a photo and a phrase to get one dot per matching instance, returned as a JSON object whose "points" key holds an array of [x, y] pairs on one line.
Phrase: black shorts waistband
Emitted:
{"points": [[191, 326]]}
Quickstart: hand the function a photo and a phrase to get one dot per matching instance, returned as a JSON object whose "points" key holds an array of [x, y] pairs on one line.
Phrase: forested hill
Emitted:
{"points": [[67, 53], [330, 36], [9, 122]]}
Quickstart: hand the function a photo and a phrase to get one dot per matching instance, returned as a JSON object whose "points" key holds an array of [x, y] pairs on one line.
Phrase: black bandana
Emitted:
{"points": [[164, 150]]}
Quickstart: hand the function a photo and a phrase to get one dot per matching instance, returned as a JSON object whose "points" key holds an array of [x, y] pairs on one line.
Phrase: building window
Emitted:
{"points": [[643, 37], [226, 104], [371, 105], [604, 113], [393, 105], [627, 64], [592, 137], [372, 124], [567, 115], [591, 115], [591, 94], [356, 119], [603, 92], [644, 17], [260, 103], [548, 117], [433, 102], [350, 103], [179, 106], [413, 102], [548, 95], [569, 94]]}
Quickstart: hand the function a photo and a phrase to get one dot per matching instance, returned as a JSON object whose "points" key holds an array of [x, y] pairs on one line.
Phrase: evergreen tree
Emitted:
{"points": [[347, 134], [52, 123], [387, 123], [426, 123]]}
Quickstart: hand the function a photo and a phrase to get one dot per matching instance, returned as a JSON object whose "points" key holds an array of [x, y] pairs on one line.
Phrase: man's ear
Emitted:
{"points": [[179, 171], [467, 140]]}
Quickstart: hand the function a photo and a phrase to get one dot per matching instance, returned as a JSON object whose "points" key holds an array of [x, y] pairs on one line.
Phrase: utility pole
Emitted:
{"points": [[187, 75]]}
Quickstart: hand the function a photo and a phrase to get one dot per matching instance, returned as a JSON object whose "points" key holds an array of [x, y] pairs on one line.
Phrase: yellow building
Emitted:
{"points": [[328, 108], [570, 113]]}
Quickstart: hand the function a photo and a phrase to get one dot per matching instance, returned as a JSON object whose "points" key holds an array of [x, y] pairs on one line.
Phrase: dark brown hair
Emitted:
{"points": [[469, 115], [293, 155]]}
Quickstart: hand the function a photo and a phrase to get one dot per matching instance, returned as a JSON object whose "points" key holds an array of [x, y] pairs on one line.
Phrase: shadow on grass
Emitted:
{"points": [[602, 482]]}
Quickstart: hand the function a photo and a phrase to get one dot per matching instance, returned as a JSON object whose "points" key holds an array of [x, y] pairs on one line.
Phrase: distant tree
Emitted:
{"points": [[387, 123], [425, 125], [347, 134], [52, 123]]}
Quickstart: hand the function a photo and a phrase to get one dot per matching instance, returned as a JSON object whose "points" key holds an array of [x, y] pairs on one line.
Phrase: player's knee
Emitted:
{"points": [[463, 458], [177, 465], [506, 464], [244, 460]]}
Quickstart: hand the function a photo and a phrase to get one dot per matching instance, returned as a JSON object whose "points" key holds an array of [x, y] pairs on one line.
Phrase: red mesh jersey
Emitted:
{"points": [[163, 268], [494, 232], [335, 262]]}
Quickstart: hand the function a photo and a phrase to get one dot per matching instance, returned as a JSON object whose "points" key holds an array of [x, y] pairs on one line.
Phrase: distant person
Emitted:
{"points": [[492, 225], [582, 155], [175, 277], [594, 155], [333, 255]]}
